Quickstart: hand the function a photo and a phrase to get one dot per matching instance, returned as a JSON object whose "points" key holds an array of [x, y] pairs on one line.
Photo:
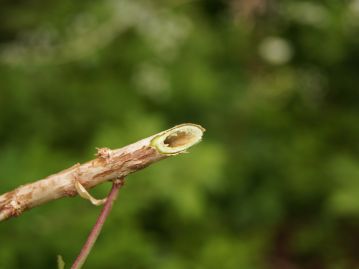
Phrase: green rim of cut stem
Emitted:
{"points": [[177, 139]]}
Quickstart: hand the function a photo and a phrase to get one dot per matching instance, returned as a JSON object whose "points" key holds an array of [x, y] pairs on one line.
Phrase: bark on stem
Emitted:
{"points": [[108, 165]]}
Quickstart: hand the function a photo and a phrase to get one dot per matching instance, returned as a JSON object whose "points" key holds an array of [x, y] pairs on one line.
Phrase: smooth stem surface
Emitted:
{"points": [[85, 251]]}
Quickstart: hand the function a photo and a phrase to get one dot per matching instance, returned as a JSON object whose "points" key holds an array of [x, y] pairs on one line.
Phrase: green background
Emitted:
{"points": [[274, 183]]}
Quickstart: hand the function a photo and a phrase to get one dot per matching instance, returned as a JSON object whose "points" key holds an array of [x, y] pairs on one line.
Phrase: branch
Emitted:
{"points": [[85, 251], [109, 164]]}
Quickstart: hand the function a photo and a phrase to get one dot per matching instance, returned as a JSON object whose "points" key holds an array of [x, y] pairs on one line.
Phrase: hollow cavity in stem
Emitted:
{"points": [[178, 139]]}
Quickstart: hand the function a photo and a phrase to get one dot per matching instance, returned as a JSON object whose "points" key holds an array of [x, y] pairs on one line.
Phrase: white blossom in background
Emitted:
{"points": [[275, 50]]}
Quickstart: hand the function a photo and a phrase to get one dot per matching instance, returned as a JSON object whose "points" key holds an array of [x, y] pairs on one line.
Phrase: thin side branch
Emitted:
{"points": [[108, 165], [85, 251]]}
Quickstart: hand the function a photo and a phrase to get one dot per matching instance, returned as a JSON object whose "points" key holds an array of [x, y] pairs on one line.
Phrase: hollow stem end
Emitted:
{"points": [[178, 139]]}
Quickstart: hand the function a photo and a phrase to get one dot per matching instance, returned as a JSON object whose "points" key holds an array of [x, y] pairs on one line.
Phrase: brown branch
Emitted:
{"points": [[108, 165]]}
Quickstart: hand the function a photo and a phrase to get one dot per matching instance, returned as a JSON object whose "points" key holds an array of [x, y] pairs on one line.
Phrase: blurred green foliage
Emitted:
{"points": [[274, 184]]}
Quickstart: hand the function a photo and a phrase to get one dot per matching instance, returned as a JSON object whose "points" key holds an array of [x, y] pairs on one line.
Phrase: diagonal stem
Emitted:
{"points": [[85, 251], [108, 165]]}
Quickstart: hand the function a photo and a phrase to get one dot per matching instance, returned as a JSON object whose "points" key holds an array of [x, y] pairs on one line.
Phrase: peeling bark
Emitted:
{"points": [[108, 165]]}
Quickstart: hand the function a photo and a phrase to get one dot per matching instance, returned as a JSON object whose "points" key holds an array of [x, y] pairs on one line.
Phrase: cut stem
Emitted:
{"points": [[109, 164], [87, 247]]}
